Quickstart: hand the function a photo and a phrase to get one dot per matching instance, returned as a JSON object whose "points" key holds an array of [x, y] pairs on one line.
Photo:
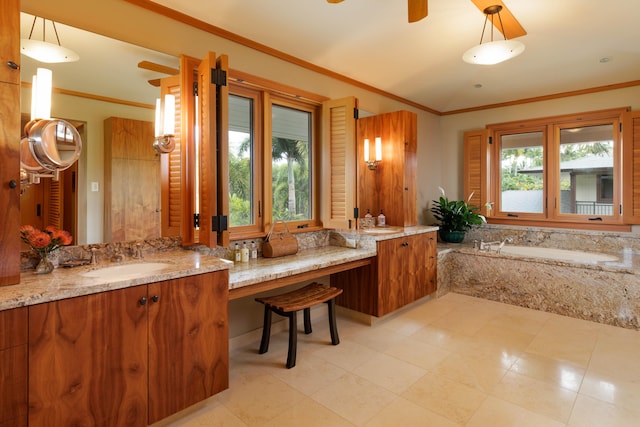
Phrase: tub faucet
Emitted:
{"points": [[486, 246], [508, 239]]}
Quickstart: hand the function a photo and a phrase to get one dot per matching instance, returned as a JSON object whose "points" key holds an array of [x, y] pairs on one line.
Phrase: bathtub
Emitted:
{"points": [[592, 286], [557, 254]]}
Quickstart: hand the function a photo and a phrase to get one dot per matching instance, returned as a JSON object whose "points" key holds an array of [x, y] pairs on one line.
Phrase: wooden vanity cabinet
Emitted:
{"points": [[404, 271], [13, 367], [9, 142], [128, 357]]}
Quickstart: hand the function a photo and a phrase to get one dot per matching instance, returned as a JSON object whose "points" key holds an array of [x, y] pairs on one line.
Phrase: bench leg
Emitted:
{"points": [[335, 339], [307, 321], [293, 339], [266, 331]]}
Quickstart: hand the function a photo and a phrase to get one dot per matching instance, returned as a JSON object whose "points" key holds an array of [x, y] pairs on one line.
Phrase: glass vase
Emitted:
{"points": [[45, 266]]}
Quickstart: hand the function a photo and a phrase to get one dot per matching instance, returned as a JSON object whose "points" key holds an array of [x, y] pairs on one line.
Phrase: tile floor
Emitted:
{"points": [[454, 361]]}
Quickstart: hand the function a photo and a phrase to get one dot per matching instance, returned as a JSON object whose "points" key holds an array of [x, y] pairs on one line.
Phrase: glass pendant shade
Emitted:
{"points": [[47, 52], [493, 52]]}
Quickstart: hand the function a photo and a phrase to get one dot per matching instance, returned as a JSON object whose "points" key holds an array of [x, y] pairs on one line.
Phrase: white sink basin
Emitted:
{"points": [[126, 271], [381, 230]]}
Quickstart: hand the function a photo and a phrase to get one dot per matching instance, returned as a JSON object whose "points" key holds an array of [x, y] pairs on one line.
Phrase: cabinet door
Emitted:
{"points": [[9, 183], [188, 342], [422, 261], [392, 289], [10, 42], [13, 367], [88, 360]]}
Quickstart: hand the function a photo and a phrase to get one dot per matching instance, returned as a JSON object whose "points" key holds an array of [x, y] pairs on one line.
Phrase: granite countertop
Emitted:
{"points": [[69, 282], [263, 269]]}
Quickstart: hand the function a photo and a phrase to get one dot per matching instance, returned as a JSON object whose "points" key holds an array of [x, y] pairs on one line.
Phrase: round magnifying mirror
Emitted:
{"points": [[54, 144]]}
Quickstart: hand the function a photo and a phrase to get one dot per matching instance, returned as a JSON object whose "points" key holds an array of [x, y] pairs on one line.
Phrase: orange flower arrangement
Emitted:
{"points": [[44, 241]]}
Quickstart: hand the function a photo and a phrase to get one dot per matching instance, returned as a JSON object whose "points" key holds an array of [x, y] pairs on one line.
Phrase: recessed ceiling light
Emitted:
{"points": [[605, 59]]}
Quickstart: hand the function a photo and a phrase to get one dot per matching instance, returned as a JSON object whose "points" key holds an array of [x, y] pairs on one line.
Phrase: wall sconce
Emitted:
{"points": [[164, 141], [373, 164]]}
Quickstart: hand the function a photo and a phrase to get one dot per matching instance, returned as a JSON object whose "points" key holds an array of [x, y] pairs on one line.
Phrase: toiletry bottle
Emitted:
{"points": [[254, 250], [237, 256], [368, 219], [382, 220], [244, 252]]}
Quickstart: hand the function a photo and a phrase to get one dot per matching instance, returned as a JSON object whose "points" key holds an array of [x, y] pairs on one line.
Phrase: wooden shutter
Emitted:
{"points": [[222, 141], [338, 182], [631, 167], [476, 168], [171, 167]]}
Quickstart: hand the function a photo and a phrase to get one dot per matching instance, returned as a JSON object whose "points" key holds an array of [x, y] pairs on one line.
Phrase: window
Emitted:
{"points": [[522, 174], [291, 163], [558, 169], [242, 153], [271, 160]]}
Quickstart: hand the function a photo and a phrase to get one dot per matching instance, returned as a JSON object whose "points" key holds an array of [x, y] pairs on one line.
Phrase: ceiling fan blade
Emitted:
{"points": [[154, 82], [417, 10], [147, 65], [334, 1], [512, 27]]}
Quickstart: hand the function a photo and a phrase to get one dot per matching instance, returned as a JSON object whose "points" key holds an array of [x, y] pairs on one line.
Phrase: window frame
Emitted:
{"points": [[269, 93], [551, 169], [254, 229]]}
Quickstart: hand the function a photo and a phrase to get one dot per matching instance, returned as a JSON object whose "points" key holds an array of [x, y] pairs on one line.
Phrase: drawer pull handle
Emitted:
{"points": [[143, 300], [13, 65]]}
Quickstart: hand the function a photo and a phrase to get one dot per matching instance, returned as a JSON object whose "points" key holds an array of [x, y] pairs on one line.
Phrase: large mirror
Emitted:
{"points": [[110, 97]]}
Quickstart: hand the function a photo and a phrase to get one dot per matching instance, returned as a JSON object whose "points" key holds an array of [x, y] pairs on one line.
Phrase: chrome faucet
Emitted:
{"points": [[117, 256], [93, 260], [138, 251]]}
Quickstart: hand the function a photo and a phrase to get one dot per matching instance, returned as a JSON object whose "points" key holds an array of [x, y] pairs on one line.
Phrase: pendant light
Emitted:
{"points": [[43, 51], [493, 52]]}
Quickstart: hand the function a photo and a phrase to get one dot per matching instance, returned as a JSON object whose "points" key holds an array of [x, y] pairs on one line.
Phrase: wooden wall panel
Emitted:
{"points": [[631, 167], [132, 181]]}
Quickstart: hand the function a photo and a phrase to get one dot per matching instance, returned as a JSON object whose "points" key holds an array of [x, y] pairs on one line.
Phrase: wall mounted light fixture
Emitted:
{"points": [[164, 141], [373, 164], [493, 52]]}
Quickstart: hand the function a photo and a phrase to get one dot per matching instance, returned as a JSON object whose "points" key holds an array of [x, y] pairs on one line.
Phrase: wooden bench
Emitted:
{"points": [[288, 304]]}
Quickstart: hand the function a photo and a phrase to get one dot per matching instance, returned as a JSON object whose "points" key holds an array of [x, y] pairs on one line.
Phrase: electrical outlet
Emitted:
{"points": [[95, 186]]}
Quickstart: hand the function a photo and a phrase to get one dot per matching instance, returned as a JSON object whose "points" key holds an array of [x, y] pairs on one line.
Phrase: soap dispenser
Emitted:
{"points": [[237, 256], [382, 220], [244, 252]]}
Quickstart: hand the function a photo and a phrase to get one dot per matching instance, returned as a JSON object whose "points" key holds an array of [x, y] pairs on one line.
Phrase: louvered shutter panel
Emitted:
{"points": [[476, 169], [631, 167], [339, 173]]}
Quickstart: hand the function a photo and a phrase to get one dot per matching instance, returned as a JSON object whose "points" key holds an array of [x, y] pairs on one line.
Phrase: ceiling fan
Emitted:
{"points": [[152, 66], [417, 9]]}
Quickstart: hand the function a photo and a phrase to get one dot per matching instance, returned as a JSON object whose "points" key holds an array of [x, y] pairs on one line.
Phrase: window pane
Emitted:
{"points": [[291, 162], [586, 170], [522, 174], [241, 146]]}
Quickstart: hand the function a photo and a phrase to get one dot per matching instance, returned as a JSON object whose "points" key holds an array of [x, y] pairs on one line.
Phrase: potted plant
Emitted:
{"points": [[456, 217]]}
